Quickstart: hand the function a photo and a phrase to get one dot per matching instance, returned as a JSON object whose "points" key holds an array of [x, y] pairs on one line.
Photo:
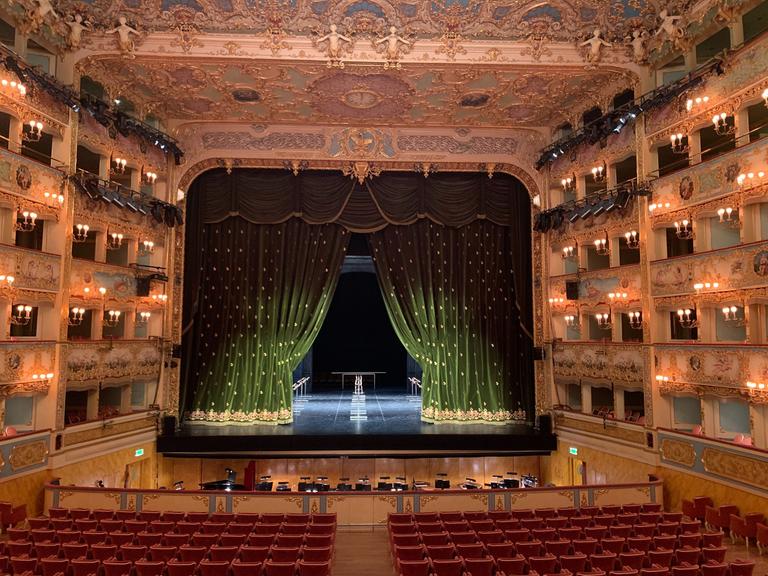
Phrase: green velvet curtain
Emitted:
{"points": [[267, 288], [448, 294]]}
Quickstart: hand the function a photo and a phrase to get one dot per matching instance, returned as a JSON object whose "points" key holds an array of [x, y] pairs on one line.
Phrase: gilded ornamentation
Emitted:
{"points": [[735, 467], [124, 35], [482, 498], [108, 430], [206, 500], [407, 507], [237, 500], [186, 37], [598, 492], [297, 501], [391, 500], [29, 454], [315, 508], [336, 45], [678, 451], [393, 46], [610, 429]]}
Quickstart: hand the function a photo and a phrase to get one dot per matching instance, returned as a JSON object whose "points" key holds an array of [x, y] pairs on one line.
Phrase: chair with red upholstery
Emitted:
{"points": [[189, 553], [104, 551], [712, 518], [496, 515], [204, 539], [491, 537], [42, 535], [476, 550], [573, 562], [180, 568], [522, 513], [240, 568], [149, 515], [544, 534], [149, 568], [480, 566], [223, 553], [649, 517], [439, 539], [512, 566], [131, 552], [661, 557], [39, 523], [22, 564], [190, 528], [321, 554], [668, 528], [117, 567], [543, 564], [712, 538], [213, 527], [645, 529], [605, 562], [322, 528], [313, 568], [135, 526], [532, 523], [586, 546], [161, 526], [463, 537], [110, 525], [92, 537], [761, 536], [77, 513], [198, 517], [83, 567], [581, 521], [443, 551], [597, 532], [54, 566], [74, 550], [615, 545], [685, 570], [690, 526], [655, 571], [518, 535], [471, 515], [149, 538], [58, 513], [570, 533], [413, 567], [213, 568], [714, 554], [508, 524], [676, 517], [284, 553], [290, 540], [125, 515], [402, 529], [121, 538], [714, 569], [330, 517], [556, 522], [483, 525], [303, 528], [19, 548], [688, 555], [232, 539], [527, 549], [451, 516], [399, 518], [297, 518], [688, 508], [689, 540], [175, 540], [557, 547], [501, 549], [85, 524], [639, 543], [260, 540], [447, 567], [160, 553], [319, 540], [253, 554], [625, 571], [225, 517], [634, 560], [456, 526], [239, 528], [47, 550], [620, 530], [59, 524], [668, 542], [741, 567]]}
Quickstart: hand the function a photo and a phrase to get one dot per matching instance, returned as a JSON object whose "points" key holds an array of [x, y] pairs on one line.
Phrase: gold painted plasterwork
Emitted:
{"points": [[678, 451], [612, 429], [734, 466], [29, 454], [72, 438]]}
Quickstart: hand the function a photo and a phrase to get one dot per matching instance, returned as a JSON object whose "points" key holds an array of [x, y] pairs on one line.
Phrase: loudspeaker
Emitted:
{"points": [[539, 353], [545, 424], [572, 290], [142, 286], [169, 425]]}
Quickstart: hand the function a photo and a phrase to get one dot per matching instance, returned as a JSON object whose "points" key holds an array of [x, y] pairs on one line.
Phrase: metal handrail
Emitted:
{"points": [[415, 385]]}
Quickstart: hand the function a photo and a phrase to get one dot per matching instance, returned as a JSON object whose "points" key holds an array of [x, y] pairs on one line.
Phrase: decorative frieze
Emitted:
{"points": [[114, 360]]}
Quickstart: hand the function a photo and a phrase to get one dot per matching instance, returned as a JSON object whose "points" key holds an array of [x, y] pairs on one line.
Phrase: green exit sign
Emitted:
{"points": [[573, 451], [140, 452]]}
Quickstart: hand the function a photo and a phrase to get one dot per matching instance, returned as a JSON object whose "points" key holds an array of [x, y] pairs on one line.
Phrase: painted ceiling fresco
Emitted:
{"points": [[560, 20], [304, 93]]}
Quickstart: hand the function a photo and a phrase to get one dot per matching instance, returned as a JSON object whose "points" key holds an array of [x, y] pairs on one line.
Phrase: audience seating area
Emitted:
{"points": [[629, 540], [82, 542]]}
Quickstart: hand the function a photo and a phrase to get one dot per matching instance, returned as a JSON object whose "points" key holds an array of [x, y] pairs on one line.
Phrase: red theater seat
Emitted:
{"points": [[280, 568], [480, 566], [447, 567], [54, 566], [148, 568], [83, 567], [117, 567], [240, 568], [181, 568], [512, 566], [213, 568]]}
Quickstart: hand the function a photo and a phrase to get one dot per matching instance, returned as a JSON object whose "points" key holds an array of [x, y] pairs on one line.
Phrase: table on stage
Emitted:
{"points": [[357, 373]]}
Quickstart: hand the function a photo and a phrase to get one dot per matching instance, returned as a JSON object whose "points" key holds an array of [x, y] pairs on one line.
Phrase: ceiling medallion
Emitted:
{"points": [[361, 99]]}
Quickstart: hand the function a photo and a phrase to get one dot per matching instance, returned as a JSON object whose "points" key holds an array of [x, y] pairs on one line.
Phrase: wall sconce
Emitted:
{"points": [[569, 252], [6, 280], [684, 230], [117, 165], [633, 239], [103, 291], [148, 177], [569, 184], [602, 247], [658, 206], [572, 321], [27, 223], [617, 296], [22, 315], [76, 316], [722, 128], [750, 179], [687, 318], [731, 315], [81, 233], [756, 385], [635, 320], [765, 96], [162, 298], [699, 286], [143, 317], [678, 145], [599, 173], [146, 247], [604, 320], [554, 301], [114, 241], [13, 87], [112, 318], [34, 133], [660, 378], [699, 101], [727, 216], [43, 376], [53, 199]]}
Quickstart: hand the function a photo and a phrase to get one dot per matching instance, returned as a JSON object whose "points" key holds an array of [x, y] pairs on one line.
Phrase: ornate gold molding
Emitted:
{"points": [[678, 451]]}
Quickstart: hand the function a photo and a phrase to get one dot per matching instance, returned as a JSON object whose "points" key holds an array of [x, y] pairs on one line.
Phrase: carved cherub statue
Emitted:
{"points": [[595, 44], [637, 43], [335, 45], [124, 40], [76, 28], [669, 26], [393, 42], [37, 14]]}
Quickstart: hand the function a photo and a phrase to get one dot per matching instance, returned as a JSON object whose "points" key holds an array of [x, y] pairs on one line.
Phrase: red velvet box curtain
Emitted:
{"points": [[263, 252]]}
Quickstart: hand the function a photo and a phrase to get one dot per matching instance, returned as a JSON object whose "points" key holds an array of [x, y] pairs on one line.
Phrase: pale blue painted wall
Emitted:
{"points": [[734, 416], [687, 410]]}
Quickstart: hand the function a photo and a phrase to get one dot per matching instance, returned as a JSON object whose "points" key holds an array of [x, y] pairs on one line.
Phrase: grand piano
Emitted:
{"points": [[228, 484]]}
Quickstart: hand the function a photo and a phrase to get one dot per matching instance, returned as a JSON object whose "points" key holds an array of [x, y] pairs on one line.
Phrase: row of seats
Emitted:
{"points": [[452, 516], [94, 567], [176, 516], [184, 527]]}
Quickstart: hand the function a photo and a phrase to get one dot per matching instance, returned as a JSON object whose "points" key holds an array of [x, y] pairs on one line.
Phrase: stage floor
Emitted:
{"points": [[380, 422]]}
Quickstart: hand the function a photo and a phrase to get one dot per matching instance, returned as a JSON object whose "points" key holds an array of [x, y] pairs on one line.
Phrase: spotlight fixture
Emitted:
{"points": [[679, 145], [633, 239], [569, 252], [26, 221], [684, 230], [602, 246], [81, 233], [569, 184], [33, 131], [687, 318], [722, 128], [112, 318], [22, 315], [635, 320], [604, 320], [76, 316], [114, 241], [600, 173], [600, 206]]}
